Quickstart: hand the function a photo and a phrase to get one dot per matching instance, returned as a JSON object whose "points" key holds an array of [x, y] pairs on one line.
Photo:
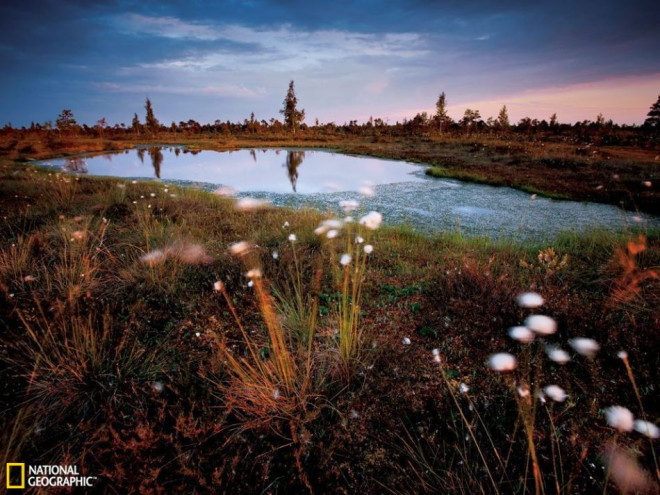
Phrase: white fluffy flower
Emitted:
{"points": [[368, 249], [345, 259], [292, 237], [502, 362], [558, 355], [584, 346], [530, 300], [332, 234], [620, 418], [521, 334], [254, 273], [153, 257], [463, 388], [555, 392], [367, 191], [349, 205], [252, 204], [406, 341], [218, 286], [541, 324], [372, 220], [359, 240], [225, 191], [240, 248], [332, 223], [646, 428]]}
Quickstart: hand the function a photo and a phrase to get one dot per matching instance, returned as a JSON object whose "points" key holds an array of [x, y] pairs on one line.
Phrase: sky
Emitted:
{"points": [[208, 60]]}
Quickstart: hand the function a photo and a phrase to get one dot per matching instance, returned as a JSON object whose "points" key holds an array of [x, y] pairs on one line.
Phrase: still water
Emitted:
{"points": [[320, 179]]}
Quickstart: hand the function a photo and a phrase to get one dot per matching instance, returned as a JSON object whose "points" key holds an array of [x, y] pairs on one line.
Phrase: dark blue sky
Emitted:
{"points": [[222, 60]]}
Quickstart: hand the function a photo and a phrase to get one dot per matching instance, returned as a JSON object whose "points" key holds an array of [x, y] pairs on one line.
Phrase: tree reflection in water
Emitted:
{"points": [[156, 160], [293, 160], [75, 164]]}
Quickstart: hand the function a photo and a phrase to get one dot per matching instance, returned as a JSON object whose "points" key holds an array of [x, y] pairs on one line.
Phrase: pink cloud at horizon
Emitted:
{"points": [[625, 100]]}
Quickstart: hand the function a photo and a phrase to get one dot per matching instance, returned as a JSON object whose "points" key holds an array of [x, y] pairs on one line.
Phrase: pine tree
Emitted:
{"points": [[470, 119], [65, 121], [292, 116], [441, 117], [135, 125], [151, 122], [653, 117], [503, 118]]}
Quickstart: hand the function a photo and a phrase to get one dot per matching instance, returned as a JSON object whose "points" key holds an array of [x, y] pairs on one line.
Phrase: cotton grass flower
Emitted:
{"points": [[252, 204], [405, 341], [530, 300], [218, 286], [153, 257], [359, 240], [368, 249], [521, 334], [626, 473], [555, 392], [584, 346], [557, 355], [622, 355], [78, 235], [225, 191], [646, 428], [345, 259], [286, 224], [29, 278], [502, 362], [292, 238], [191, 254], [276, 255], [332, 234], [332, 223], [463, 388], [620, 418], [349, 205], [367, 191], [240, 248], [541, 324], [372, 220], [254, 273], [523, 391]]}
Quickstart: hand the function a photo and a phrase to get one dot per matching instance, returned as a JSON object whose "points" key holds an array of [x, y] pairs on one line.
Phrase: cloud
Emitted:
{"points": [[622, 99], [166, 27], [280, 49], [225, 90]]}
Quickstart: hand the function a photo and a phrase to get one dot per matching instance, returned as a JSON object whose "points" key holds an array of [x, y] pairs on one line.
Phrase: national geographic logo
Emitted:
{"points": [[45, 476]]}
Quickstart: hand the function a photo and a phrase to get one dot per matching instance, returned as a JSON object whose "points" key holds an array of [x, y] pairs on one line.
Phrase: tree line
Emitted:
{"points": [[293, 122]]}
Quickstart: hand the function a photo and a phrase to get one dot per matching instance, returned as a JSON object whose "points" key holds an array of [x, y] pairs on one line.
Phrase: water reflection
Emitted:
{"points": [[293, 160], [75, 164], [140, 154], [156, 159]]}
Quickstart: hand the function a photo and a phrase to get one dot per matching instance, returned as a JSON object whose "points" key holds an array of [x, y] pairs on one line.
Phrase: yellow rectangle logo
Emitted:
{"points": [[20, 465]]}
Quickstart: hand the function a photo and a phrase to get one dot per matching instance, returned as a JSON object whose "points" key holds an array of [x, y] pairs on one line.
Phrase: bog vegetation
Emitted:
{"points": [[168, 340]]}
